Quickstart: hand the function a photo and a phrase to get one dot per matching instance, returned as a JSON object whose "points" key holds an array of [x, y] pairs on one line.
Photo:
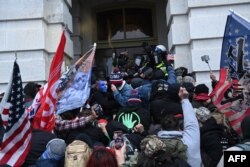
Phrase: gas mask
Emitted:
{"points": [[157, 58]]}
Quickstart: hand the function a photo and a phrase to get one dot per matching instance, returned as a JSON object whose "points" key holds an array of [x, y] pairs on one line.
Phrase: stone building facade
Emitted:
{"points": [[31, 30]]}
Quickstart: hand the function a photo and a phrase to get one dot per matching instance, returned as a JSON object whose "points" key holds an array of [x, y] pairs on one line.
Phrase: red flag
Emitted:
{"points": [[45, 117], [17, 136]]}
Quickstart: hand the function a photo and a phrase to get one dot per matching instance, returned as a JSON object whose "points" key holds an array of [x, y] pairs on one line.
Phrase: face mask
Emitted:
{"points": [[103, 86], [138, 61]]}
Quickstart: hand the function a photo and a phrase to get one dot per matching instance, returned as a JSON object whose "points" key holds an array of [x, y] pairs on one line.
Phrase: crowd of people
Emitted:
{"points": [[144, 114]]}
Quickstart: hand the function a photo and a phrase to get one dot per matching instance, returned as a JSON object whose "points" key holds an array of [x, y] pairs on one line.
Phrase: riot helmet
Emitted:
{"points": [[159, 53], [160, 48]]}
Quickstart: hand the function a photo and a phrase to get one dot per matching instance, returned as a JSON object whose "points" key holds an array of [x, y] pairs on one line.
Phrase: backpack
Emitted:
{"points": [[77, 154], [163, 151], [244, 147], [176, 148]]}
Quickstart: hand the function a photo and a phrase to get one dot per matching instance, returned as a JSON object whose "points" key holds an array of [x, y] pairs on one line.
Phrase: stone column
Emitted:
{"points": [[32, 30]]}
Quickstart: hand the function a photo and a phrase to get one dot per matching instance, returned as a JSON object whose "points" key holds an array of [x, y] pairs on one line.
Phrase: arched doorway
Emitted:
{"points": [[120, 26]]}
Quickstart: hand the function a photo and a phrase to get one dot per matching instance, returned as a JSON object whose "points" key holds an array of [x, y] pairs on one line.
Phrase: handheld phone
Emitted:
{"points": [[118, 138], [98, 109]]}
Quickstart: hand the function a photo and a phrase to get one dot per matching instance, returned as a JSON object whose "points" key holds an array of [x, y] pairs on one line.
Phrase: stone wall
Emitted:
{"points": [[31, 30], [196, 28]]}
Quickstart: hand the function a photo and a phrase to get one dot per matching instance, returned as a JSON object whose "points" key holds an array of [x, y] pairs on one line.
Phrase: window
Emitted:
{"points": [[124, 23]]}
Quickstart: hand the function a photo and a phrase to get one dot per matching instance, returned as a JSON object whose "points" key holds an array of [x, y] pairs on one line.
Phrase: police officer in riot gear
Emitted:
{"points": [[160, 54]]}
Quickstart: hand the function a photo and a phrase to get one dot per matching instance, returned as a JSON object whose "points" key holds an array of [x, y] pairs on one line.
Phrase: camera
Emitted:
{"points": [[118, 138]]}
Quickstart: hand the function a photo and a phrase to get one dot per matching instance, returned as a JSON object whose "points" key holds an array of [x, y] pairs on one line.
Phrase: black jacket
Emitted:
{"points": [[39, 141], [211, 134], [106, 100]]}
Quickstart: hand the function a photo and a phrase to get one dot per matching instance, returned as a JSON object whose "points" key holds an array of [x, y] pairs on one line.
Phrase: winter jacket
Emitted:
{"points": [[145, 90], [122, 95], [211, 134], [107, 101], [190, 134], [39, 141]]}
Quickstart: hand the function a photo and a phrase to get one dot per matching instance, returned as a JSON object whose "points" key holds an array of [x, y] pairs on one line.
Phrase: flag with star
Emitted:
{"points": [[16, 140], [232, 93]]}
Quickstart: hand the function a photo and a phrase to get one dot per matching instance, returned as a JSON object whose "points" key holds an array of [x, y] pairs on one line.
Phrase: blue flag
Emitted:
{"points": [[232, 94], [75, 84], [235, 53]]}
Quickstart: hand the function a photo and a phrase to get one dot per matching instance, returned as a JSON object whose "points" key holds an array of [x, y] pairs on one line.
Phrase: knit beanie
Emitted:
{"points": [[201, 93], [134, 98], [201, 88], [116, 78], [55, 149]]}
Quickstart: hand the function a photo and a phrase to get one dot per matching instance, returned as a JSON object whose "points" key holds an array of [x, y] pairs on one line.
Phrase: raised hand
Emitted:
{"points": [[127, 121], [113, 87], [183, 93]]}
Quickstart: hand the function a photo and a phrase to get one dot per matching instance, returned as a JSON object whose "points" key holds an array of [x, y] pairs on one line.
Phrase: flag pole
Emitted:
{"points": [[7, 93]]}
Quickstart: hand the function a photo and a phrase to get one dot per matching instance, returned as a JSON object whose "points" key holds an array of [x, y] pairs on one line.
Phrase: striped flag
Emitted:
{"points": [[232, 94], [17, 136], [74, 85], [45, 115], [32, 109]]}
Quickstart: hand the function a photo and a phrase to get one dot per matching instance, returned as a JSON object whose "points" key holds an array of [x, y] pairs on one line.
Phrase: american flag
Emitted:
{"points": [[45, 115], [17, 136], [232, 94]]}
